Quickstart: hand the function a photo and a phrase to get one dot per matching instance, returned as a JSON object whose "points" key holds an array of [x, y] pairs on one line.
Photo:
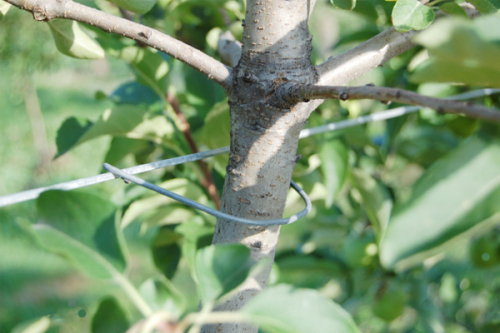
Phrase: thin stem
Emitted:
{"points": [[433, 3], [67, 9], [306, 92], [207, 180], [133, 294], [201, 318]]}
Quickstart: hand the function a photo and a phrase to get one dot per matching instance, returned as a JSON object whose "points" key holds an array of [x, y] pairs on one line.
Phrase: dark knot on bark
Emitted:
{"points": [[40, 14]]}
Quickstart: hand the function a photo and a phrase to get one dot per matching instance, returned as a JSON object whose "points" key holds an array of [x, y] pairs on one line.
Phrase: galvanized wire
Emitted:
{"points": [[11, 199], [208, 210]]}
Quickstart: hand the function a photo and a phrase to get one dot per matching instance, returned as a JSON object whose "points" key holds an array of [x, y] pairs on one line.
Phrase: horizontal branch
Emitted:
{"points": [[301, 93], [66, 9], [374, 52]]}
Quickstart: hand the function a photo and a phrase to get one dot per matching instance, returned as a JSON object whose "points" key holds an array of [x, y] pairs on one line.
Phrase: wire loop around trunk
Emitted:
{"points": [[289, 220]]}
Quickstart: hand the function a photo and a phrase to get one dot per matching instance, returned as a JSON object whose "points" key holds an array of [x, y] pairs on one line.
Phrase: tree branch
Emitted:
{"points": [[67, 9], [229, 49], [293, 93], [207, 180], [370, 54]]}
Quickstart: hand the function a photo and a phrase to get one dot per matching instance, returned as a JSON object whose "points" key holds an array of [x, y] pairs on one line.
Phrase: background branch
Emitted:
{"points": [[67, 9], [301, 93], [229, 49], [207, 180], [370, 54]]}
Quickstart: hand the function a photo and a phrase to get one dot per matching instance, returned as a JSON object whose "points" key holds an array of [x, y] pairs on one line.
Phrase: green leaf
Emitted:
{"points": [[81, 227], [461, 51], [109, 318], [171, 214], [124, 120], [333, 155], [456, 196], [484, 6], [411, 15], [149, 67], [307, 271], [137, 94], [221, 268], [120, 147], [216, 133], [377, 200], [454, 9], [40, 325], [72, 41], [344, 4], [196, 235], [71, 130], [146, 206], [495, 3], [166, 251], [283, 309], [161, 294], [136, 6]]}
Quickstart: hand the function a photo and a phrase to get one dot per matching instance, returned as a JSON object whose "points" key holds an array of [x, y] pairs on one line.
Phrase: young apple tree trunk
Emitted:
{"points": [[264, 137], [268, 96]]}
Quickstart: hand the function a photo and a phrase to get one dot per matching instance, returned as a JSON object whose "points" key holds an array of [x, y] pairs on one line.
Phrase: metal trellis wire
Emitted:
{"points": [[209, 210], [127, 173]]}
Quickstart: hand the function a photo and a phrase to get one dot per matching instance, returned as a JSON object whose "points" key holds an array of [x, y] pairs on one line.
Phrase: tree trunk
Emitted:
{"points": [[276, 49]]}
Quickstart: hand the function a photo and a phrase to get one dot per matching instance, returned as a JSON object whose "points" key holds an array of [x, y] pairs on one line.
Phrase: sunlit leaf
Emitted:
{"points": [[146, 206], [4, 8], [461, 51], [284, 309], [72, 41], [109, 318], [220, 269], [344, 4], [121, 147], [456, 196], [411, 15], [40, 325], [171, 214], [124, 120]]}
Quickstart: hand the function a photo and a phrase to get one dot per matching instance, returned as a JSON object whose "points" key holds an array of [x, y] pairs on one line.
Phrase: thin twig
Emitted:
{"points": [[302, 93], [207, 181], [67, 9]]}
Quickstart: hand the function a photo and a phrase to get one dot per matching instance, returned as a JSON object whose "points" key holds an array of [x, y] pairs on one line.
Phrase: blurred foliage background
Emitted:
{"points": [[53, 105]]}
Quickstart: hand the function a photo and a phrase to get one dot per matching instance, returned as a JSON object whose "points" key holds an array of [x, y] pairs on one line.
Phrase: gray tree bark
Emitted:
{"points": [[264, 137]]}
